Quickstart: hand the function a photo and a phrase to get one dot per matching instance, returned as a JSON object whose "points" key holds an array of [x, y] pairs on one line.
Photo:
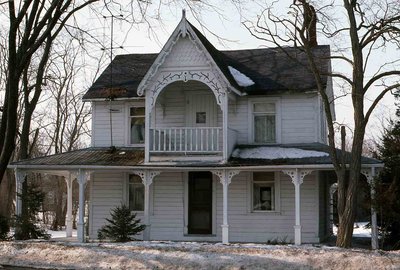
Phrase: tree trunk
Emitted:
{"points": [[347, 214], [7, 194]]}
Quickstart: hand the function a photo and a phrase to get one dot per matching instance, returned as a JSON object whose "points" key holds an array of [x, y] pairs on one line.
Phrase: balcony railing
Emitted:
{"points": [[186, 140]]}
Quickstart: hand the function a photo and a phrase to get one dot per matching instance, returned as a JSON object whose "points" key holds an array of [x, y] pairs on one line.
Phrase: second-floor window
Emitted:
{"points": [[136, 193], [264, 122], [137, 120]]}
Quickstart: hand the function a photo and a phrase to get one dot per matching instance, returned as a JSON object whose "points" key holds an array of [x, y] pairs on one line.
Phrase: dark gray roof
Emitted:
{"points": [[319, 147], [272, 70], [94, 156], [102, 156]]}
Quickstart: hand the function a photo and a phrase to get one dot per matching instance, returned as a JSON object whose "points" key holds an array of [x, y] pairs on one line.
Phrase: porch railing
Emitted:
{"points": [[186, 140]]}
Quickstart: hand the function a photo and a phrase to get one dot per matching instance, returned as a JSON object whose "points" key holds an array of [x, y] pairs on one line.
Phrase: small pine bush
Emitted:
{"points": [[4, 228], [122, 226]]}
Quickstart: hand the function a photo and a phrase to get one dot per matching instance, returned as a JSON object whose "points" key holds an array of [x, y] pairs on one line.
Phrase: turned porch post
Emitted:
{"points": [[82, 179], [225, 178], [69, 181], [147, 179], [370, 175], [19, 179], [297, 177]]}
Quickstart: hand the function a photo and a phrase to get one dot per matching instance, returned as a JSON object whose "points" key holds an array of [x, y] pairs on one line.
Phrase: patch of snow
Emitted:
{"points": [[189, 255], [275, 153], [60, 234], [240, 78], [360, 230]]}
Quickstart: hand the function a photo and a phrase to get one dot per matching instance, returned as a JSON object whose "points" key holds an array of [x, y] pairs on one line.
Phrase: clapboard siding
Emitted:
{"points": [[299, 118], [101, 124], [299, 123], [275, 225], [168, 208], [171, 108], [107, 191], [120, 122]]}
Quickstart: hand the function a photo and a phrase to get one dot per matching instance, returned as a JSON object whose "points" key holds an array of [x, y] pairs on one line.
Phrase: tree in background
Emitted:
{"points": [[362, 32], [388, 186], [26, 226], [33, 25]]}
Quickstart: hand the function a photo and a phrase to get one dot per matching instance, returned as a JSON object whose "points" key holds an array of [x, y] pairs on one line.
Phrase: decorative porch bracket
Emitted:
{"points": [[147, 177], [370, 175], [297, 177], [225, 178], [20, 176], [83, 178]]}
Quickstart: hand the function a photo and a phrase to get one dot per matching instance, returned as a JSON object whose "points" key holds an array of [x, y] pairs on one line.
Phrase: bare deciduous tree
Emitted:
{"points": [[366, 30], [32, 25]]}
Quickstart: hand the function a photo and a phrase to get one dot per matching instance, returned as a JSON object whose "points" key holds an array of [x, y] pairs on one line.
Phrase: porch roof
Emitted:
{"points": [[290, 155], [272, 70]]}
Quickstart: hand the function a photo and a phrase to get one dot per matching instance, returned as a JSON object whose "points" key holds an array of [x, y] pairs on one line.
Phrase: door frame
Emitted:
{"points": [[186, 205], [189, 108]]}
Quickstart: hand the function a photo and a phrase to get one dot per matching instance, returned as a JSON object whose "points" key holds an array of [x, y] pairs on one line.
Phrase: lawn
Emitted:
{"points": [[188, 255]]}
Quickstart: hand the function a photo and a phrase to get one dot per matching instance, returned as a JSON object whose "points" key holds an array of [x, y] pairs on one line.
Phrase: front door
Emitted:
{"points": [[200, 203], [201, 110], [201, 114]]}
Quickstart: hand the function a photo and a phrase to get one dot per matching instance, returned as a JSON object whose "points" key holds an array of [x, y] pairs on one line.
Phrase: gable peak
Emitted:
{"points": [[183, 24]]}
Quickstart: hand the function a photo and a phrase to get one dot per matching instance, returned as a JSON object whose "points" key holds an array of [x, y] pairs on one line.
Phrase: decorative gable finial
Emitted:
{"points": [[183, 24]]}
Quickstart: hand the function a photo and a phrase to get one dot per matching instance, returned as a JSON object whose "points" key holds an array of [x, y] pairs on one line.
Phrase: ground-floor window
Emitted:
{"points": [[136, 193], [263, 191]]}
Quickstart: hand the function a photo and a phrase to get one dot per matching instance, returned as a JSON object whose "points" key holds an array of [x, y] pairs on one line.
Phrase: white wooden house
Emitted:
{"points": [[206, 145]]}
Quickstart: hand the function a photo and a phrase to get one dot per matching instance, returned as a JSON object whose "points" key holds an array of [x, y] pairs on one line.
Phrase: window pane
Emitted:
{"points": [[264, 128], [137, 111], [137, 130], [263, 196], [136, 193], [264, 191], [264, 107], [200, 117]]}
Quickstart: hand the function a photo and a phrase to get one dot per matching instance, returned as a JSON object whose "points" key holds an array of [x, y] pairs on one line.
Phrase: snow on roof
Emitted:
{"points": [[240, 78], [275, 153]]}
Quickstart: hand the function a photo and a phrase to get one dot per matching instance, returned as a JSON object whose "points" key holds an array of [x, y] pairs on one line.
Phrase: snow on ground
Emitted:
{"points": [[60, 234], [360, 230], [189, 255], [275, 153], [240, 78]]}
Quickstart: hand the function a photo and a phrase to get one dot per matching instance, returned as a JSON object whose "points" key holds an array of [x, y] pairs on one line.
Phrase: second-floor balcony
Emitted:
{"points": [[186, 140]]}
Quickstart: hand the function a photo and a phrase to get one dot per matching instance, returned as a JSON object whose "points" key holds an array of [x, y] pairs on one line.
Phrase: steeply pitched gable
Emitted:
{"points": [[271, 69]]}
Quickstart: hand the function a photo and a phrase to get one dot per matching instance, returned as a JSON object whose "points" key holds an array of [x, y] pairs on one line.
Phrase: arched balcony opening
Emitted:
{"points": [[186, 120]]}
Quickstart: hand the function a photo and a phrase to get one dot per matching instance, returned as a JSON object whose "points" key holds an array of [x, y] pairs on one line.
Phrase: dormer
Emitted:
{"points": [[187, 90]]}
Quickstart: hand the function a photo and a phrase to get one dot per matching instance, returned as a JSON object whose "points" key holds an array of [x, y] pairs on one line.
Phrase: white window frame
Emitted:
{"points": [[128, 125], [127, 195], [277, 193], [278, 126]]}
